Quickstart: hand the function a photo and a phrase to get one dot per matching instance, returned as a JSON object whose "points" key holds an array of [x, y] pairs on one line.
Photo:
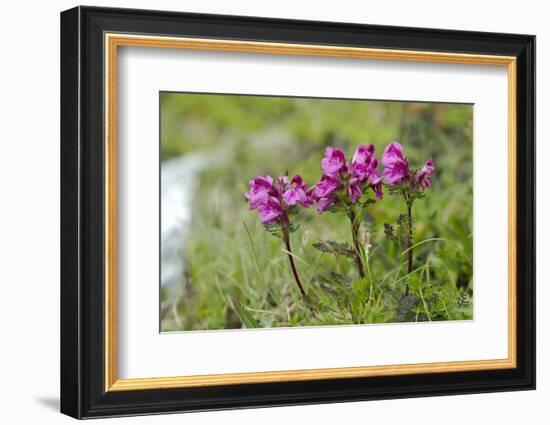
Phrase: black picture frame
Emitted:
{"points": [[82, 212]]}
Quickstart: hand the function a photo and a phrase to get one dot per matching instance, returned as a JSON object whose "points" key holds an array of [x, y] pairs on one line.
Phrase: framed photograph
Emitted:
{"points": [[261, 212]]}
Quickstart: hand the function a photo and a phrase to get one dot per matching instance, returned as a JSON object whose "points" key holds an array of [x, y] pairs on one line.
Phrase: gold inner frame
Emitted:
{"points": [[113, 41]]}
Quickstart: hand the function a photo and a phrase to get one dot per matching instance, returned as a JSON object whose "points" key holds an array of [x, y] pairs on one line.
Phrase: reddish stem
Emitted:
{"points": [[356, 246], [286, 238], [409, 242]]}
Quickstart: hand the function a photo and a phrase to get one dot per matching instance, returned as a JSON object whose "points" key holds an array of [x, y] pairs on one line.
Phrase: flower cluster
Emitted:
{"points": [[397, 171], [276, 199], [344, 182], [407, 183]]}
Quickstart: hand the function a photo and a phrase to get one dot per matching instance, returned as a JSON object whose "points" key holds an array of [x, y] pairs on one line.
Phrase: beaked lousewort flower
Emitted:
{"points": [[407, 183], [344, 187], [397, 172], [426, 173], [334, 161], [396, 168], [344, 182], [277, 201]]}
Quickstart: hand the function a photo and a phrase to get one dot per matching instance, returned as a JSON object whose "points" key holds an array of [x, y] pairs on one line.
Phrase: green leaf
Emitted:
{"points": [[360, 285], [293, 227], [333, 247], [274, 229], [367, 202], [404, 311], [402, 220], [334, 278], [245, 316], [389, 232]]}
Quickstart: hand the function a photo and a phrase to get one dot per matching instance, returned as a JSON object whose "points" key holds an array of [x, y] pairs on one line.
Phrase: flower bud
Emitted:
{"points": [[365, 239]]}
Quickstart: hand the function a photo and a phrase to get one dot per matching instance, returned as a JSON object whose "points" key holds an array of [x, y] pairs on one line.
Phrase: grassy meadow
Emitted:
{"points": [[236, 274]]}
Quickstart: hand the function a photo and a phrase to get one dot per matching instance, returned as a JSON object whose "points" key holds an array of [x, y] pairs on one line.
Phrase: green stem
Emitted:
{"points": [[357, 248], [424, 304]]}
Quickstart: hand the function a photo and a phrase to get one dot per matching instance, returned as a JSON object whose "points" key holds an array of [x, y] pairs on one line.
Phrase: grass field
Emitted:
{"points": [[235, 274]]}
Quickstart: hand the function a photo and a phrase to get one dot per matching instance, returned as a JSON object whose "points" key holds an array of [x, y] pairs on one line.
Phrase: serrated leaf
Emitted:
{"points": [[463, 299], [368, 202], [274, 229], [404, 310], [293, 227], [333, 247], [402, 220], [390, 232], [333, 282]]}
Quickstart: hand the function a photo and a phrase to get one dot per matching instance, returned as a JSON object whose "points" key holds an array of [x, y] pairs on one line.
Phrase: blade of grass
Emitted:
{"points": [[424, 304], [454, 244], [254, 254], [246, 318], [308, 265]]}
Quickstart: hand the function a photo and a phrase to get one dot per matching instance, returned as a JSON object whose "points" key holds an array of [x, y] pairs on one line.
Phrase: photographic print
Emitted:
{"points": [[286, 211], [319, 196]]}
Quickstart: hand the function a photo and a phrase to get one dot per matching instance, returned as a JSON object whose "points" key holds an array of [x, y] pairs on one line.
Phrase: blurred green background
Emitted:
{"points": [[232, 272]]}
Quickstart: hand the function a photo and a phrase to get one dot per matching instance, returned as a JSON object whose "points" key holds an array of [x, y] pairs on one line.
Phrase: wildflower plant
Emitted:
{"points": [[347, 187], [406, 183], [344, 188], [277, 202], [345, 209]]}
